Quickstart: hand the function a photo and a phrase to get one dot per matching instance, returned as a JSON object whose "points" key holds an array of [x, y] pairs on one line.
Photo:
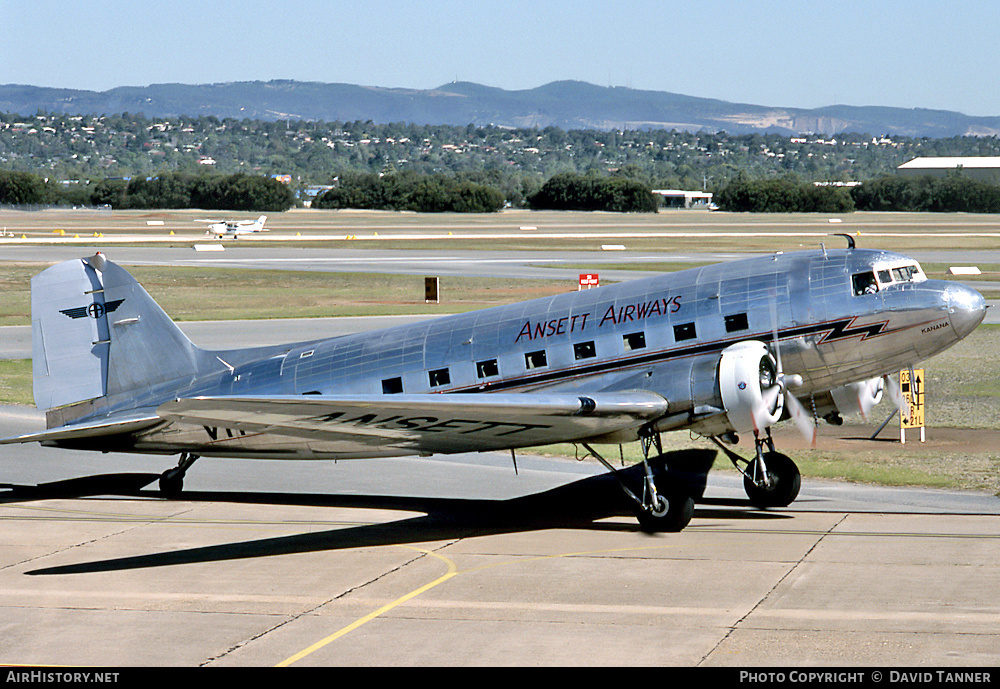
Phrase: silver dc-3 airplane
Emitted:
{"points": [[719, 350]]}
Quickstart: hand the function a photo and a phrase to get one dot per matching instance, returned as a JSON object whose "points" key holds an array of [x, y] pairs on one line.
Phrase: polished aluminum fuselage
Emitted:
{"points": [[663, 334]]}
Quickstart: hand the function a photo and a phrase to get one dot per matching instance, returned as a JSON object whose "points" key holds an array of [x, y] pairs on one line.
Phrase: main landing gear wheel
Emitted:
{"points": [[669, 510], [172, 480], [771, 479], [777, 485], [671, 513]]}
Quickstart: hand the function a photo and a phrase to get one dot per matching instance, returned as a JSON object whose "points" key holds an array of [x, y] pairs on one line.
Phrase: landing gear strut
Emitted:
{"points": [[172, 480], [770, 479], [668, 510]]}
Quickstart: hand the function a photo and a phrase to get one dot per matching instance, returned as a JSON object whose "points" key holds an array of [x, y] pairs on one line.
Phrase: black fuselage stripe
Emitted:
{"points": [[837, 330]]}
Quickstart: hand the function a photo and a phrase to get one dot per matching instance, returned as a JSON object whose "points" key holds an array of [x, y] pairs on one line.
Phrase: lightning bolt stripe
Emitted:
{"points": [[829, 331]]}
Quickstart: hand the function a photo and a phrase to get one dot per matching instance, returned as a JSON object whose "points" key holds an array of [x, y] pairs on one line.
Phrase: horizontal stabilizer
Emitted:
{"points": [[428, 423], [84, 431]]}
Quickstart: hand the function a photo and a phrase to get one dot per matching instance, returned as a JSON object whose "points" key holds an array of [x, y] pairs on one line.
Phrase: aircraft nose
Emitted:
{"points": [[967, 308]]}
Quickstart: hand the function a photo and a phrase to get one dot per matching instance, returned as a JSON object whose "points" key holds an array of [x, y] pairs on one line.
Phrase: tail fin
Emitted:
{"points": [[96, 332]]}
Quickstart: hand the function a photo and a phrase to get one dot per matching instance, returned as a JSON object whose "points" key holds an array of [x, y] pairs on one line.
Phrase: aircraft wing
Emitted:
{"points": [[429, 423]]}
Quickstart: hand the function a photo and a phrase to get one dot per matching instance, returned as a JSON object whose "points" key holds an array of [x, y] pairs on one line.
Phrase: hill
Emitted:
{"points": [[564, 104]]}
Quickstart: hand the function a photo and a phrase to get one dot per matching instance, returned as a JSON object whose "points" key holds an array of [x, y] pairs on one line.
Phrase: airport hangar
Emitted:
{"points": [[679, 198], [981, 168]]}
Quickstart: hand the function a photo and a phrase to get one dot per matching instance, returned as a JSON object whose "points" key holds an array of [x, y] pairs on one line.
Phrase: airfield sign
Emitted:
{"points": [[913, 391]]}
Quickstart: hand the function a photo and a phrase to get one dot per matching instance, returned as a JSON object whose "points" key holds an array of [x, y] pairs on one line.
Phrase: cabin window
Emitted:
{"points": [[634, 341], [737, 322], [392, 386], [684, 331], [584, 350], [487, 369], [864, 283], [439, 377], [884, 277], [535, 359]]}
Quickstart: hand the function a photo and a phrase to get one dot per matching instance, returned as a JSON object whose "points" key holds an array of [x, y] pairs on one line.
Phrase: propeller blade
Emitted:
{"points": [[774, 329], [770, 408], [870, 395], [802, 418], [896, 395]]}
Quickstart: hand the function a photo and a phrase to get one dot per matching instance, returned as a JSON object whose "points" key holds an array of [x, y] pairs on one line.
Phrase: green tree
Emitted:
{"points": [[19, 188], [412, 191], [569, 191], [786, 195]]}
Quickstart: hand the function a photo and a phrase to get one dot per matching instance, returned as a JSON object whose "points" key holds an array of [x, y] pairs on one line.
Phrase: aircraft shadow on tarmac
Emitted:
{"points": [[577, 505]]}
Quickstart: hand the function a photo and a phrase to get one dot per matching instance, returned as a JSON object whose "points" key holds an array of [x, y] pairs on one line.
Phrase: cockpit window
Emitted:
{"points": [[905, 273], [891, 275], [864, 283]]}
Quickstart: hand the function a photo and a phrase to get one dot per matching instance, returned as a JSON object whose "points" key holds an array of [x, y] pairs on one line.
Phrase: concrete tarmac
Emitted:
{"points": [[457, 560]]}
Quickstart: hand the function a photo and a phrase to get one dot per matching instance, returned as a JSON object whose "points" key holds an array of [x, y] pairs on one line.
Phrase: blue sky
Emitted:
{"points": [[922, 53]]}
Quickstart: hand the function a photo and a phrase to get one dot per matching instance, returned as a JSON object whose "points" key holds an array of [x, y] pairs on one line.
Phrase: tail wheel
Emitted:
{"points": [[171, 483], [172, 480], [782, 484]]}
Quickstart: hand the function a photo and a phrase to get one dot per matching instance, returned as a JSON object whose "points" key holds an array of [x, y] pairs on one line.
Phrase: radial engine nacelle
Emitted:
{"points": [[749, 386]]}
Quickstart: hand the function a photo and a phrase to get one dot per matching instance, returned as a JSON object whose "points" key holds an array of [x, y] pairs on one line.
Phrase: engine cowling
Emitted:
{"points": [[858, 398], [748, 384]]}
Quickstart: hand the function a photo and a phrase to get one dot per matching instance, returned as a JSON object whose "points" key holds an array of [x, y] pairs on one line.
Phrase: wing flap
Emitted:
{"points": [[427, 423]]}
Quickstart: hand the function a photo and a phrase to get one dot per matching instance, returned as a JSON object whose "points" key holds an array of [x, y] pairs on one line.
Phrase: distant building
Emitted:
{"points": [[309, 194], [315, 190], [983, 169], [677, 198]]}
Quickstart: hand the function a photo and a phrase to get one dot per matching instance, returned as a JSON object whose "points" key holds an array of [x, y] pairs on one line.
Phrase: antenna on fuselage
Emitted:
{"points": [[850, 239]]}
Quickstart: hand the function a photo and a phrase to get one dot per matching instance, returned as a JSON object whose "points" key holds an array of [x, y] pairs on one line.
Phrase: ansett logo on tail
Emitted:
{"points": [[95, 310]]}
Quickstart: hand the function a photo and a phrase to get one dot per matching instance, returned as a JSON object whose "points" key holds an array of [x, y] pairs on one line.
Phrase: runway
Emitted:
{"points": [[458, 561], [547, 264]]}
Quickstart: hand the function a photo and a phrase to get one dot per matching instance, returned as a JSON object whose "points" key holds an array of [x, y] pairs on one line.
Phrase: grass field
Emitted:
{"points": [[15, 382], [188, 294]]}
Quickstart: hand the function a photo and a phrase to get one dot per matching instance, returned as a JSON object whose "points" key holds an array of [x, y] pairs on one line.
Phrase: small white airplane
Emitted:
{"points": [[234, 228], [718, 351]]}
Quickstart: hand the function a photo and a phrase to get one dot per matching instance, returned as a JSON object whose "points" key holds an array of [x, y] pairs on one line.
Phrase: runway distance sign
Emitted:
{"points": [[913, 390]]}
